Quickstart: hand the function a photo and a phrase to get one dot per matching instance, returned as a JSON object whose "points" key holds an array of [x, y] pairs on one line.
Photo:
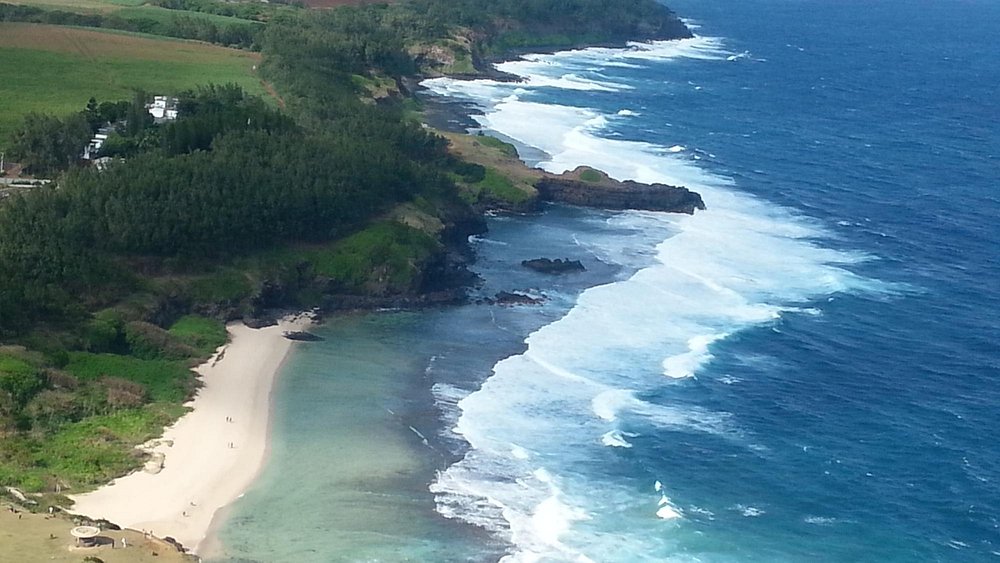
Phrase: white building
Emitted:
{"points": [[163, 108], [92, 149]]}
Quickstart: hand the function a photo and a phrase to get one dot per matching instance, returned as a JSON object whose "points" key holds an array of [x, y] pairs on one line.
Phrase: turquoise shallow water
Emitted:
{"points": [[359, 429], [346, 476], [805, 372]]}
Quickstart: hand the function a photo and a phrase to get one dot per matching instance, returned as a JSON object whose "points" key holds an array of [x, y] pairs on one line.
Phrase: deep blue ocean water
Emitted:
{"points": [[807, 371]]}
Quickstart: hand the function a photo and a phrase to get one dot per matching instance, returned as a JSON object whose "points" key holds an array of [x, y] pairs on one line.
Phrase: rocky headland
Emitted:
{"points": [[588, 187]]}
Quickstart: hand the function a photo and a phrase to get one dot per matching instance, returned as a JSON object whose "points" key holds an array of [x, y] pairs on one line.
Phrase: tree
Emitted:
{"points": [[137, 118], [45, 143]]}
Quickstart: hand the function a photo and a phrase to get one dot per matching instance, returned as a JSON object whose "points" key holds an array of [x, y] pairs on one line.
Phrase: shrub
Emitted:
{"points": [[123, 393], [201, 333], [150, 342], [506, 148], [591, 175], [164, 380], [52, 408], [105, 332], [383, 259], [20, 379], [497, 187], [57, 379]]}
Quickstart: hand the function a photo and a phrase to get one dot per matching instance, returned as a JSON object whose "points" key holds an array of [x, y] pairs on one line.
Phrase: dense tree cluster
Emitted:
{"points": [[236, 174], [45, 143], [261, 181], [520, 23], [257, 11]]}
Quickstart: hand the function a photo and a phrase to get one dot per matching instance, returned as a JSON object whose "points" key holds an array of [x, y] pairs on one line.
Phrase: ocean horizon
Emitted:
{"points": [[805, 371]]}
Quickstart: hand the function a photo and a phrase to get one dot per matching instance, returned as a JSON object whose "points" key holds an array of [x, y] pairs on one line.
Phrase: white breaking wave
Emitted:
{"points": [[536, 74], [615, 439], [545, 416], [685, 364]]}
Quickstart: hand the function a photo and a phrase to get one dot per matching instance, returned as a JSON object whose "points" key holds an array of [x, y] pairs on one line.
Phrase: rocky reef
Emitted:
{"points": [[557, 266]]}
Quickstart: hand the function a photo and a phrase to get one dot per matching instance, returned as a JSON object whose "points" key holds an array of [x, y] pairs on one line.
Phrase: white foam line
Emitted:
{"points": [[737, 265]]}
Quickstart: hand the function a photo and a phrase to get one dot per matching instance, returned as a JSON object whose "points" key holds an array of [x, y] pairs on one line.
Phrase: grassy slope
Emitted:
{"points": [[34, 462], [507, 178], [35, 538], [56, 69]]}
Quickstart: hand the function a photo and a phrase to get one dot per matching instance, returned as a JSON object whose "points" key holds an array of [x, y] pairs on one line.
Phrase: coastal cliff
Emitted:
{"points": [[507, 184], [497, 30]]}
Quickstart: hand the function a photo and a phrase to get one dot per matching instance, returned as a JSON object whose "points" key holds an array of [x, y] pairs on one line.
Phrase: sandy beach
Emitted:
{"points": [[212, 454]]}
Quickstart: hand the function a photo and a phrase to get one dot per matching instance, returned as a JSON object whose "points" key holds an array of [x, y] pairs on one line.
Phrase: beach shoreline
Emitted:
{"points": [[211, 455]]}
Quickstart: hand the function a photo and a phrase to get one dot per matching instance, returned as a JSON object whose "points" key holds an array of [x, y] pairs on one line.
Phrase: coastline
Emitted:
{"points": [[211, 455]]}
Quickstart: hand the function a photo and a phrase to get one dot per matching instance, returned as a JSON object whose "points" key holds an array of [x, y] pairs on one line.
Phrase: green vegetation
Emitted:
{"points": [[385, 258], [82, 454], [591, 175], [162, 380], [203, 334], [75, 423], [506, 149], [498, 188], [556, 23], [492, 174], [61, 68], [225, 285]]}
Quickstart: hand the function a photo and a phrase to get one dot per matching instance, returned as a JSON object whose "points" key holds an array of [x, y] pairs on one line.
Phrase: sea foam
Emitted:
{"points": [[588, 377]]}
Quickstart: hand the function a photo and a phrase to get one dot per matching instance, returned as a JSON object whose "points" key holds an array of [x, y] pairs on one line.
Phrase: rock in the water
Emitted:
{"points": [[557, 266], [302, 336], [513, 298]]}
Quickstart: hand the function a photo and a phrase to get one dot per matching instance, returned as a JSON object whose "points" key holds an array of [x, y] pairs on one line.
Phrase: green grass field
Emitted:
{"points": [[54, 69], [128, 9], [81, 6], [159, 14]]}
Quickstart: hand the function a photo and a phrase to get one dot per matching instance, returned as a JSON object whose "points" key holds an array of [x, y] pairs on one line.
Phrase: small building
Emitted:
{"points": [[93, 148], [163, 108], [86, 536]]}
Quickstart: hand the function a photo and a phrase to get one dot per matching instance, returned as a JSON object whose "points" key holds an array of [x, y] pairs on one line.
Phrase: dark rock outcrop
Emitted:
{"points": [[606, 193], [514, 298], [557, 266], [335, 303], [302, 336], [176, 544], [261, 322]]}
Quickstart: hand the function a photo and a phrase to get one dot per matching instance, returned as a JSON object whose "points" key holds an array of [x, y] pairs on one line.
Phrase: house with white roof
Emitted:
{"points": [[163, 108]]}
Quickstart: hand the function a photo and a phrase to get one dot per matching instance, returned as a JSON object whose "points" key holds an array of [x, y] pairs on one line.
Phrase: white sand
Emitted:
{"points": [[201, 472]]}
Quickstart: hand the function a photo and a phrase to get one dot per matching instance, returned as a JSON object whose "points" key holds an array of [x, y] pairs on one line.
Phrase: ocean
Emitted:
{"points": [[809, 370]]}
